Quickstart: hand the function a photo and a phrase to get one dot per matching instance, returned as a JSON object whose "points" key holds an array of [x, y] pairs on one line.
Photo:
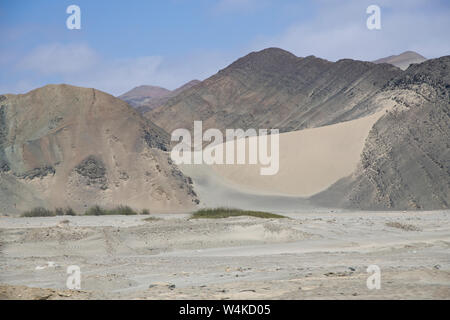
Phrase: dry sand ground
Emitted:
{"points": [[312, 255], [310, 161]]}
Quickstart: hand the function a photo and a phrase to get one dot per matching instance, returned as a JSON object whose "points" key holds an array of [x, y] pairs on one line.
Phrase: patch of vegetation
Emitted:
{"points": [[39, 212], [69, 212], [43, 212], [65, 212], [93, 211], [403, 226], [120, 210], [151, 219], [124, 211], [220, 213]]}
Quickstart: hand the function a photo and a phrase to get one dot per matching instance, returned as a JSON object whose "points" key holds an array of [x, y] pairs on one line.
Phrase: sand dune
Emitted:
{"points": [[310, 160]]}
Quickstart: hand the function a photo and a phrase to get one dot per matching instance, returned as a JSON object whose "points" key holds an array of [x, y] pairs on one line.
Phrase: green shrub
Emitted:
{"points": [[39, 212], [145, 212], [219, 213], [151, 219], [65, 212], [95, 211], [69, 212], [123, 210], [403, 226], [120, 210]]}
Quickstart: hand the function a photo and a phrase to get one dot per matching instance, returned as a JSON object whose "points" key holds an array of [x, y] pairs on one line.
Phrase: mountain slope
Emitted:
{"points": [[403, 60], [68, 146], [273, 88], [405, 160], [405, 163]]}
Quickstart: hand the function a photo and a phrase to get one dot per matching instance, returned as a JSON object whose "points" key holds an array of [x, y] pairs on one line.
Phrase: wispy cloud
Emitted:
{"points": [[60, 59], [79, 64], [339, 31], [330, 29]]}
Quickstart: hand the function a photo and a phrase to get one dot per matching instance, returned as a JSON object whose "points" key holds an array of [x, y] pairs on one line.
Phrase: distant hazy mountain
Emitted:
{"points": [[273, 88], [145, 98], [402, 60], [136, 96], [68, 146]]}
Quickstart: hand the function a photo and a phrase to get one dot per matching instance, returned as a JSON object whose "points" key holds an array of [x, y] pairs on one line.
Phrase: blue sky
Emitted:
{"points": [[123, 44]]}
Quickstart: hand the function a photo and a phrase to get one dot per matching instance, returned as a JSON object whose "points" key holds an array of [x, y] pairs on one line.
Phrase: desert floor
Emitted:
{"points": [[315, 255]]}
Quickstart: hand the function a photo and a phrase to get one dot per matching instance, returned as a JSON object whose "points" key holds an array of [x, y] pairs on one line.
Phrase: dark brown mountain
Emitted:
{"points": [[273, 88], [146, 98], [405, 163], [68, 146]]}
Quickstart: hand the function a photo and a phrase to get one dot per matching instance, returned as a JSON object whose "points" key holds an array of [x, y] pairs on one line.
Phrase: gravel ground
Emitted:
{"points": [[308, 256]]}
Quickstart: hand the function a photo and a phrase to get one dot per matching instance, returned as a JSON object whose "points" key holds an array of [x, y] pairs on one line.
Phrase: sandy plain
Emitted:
{"points": [[319, 254]]}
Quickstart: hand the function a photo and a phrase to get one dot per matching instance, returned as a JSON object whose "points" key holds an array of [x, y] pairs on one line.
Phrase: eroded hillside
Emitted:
{"points": [[68, 146]]}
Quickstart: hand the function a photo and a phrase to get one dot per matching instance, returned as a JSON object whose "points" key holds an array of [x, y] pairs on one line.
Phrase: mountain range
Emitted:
{"points": [[405, 160], [273, 88], [62, 145]]}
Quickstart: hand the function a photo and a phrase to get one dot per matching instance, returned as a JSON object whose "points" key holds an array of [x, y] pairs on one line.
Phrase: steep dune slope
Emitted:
{"points": [[68, 146], [311, 160]]}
